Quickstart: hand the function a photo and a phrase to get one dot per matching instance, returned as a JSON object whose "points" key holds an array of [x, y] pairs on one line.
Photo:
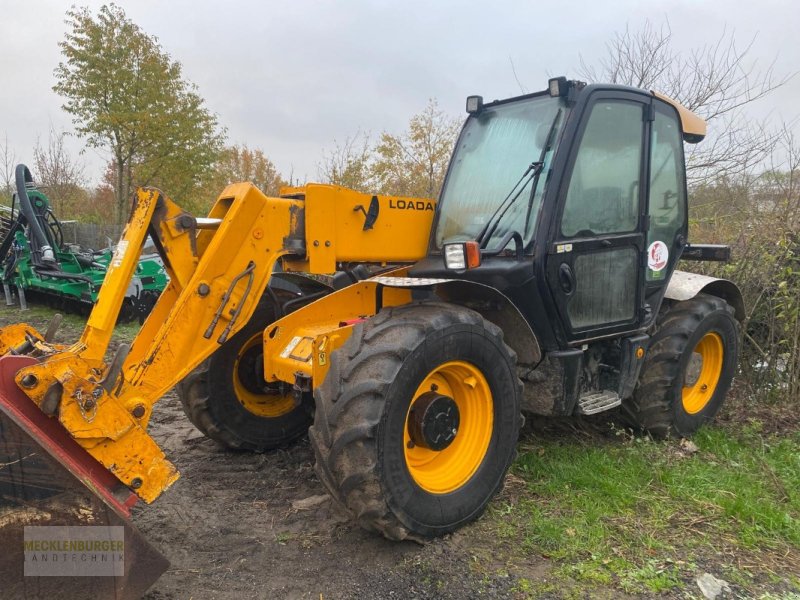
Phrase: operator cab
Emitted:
{"points": [[572, 202]]}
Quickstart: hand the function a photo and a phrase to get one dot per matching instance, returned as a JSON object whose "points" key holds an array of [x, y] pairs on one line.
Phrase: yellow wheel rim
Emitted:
{"points": [[266, 404], [444, 471], [696, 394]]}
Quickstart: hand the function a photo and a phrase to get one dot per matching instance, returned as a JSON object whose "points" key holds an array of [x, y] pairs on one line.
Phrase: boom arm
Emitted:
{"points": [[219, 268], [216, 279]]}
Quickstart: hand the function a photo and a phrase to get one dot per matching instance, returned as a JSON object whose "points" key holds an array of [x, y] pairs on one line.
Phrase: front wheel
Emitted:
{"points": [[689, 368], [417, 420], [228, 400]]}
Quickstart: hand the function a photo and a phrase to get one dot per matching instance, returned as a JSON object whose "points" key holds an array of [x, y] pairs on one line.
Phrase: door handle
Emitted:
{"points": [[566, 279]]}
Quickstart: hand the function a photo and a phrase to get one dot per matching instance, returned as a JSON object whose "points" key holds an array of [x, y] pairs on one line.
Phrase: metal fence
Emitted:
{"points": [[90, 235]]}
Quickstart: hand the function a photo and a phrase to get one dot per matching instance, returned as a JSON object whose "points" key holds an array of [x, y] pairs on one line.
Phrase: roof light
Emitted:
{"points": [[474, 104], [558, 86]]}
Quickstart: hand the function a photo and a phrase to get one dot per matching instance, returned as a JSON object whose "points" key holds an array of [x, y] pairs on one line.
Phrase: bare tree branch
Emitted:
{"points": [[716, 80], [58, 174], [522, 88], [7, 165], [348, 163]]}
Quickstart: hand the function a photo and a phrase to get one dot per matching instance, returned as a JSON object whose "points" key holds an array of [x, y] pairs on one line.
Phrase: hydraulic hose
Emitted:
{"points": [[38, 238], [57, 274]]}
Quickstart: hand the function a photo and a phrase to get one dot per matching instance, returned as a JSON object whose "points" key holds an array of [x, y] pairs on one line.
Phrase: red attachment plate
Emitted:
{"points": [[47, 478], [53, 438]]}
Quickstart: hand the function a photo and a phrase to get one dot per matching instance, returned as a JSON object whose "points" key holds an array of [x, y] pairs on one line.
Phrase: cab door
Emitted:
{"points": [[595, 257], [666, 207]]}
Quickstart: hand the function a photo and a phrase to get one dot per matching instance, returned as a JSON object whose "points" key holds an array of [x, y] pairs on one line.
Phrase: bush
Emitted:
{"points": [[757, 217]]}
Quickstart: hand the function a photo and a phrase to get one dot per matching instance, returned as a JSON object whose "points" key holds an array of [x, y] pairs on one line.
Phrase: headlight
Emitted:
{"points": [[455, 257], [465, 255]]}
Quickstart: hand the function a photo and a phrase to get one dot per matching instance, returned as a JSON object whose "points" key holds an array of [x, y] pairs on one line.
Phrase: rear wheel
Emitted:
{"points": [[689, 368], [417, 421], [227, 398]]}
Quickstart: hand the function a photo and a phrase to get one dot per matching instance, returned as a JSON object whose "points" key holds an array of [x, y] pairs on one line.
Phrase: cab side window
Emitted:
{"points": [[603, 192], [667, 202]]}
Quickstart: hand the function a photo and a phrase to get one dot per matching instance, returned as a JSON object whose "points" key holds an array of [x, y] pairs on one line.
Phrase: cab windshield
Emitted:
{"points": [[495, 151]]}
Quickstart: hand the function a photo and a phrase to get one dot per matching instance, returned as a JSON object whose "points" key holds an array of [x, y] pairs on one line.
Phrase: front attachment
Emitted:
{"points": [[62, 514]]}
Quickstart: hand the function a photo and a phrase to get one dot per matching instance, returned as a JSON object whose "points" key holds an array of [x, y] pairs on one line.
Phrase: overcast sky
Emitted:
{"points": [[290, 77]]}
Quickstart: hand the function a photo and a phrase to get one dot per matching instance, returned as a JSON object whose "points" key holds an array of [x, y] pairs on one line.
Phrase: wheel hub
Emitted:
{"points": [[693, 369], [251, 370], [453, 457], [256, 395], [433, 421], [703, 372]]}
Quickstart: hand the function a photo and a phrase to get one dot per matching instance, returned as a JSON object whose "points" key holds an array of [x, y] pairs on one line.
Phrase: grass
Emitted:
{"points": [[71, 326], [641, 516]]}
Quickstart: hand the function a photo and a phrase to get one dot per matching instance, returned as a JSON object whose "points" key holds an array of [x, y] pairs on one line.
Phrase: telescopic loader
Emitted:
{"points": [[544, 278]]}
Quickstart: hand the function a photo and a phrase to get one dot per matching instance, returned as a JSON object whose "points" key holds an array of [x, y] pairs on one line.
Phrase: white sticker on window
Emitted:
{"points": [[657, 256]]}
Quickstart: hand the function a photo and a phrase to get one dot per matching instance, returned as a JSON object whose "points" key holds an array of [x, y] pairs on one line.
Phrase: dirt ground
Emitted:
{"points": [[244, 525]]}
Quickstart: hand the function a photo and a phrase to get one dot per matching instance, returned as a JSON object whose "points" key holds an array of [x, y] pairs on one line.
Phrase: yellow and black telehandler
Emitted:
{"points": [[543, 279]]}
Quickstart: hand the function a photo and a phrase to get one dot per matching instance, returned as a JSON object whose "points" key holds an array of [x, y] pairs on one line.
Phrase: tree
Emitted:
{"points": [[716, 81], [98, 206], [414, 163], [126, 95], [349, 164], [7, 165], [58, 175], [236, 163], [409, 164], [240, 163]]}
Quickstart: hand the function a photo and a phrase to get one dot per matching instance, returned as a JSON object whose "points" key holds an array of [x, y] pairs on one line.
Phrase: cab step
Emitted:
{"points": [[596, 402]]}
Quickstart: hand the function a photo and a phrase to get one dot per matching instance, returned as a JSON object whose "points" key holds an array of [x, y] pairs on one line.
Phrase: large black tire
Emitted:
{"points": [[360, 432], [210, 399], [661, 404]]}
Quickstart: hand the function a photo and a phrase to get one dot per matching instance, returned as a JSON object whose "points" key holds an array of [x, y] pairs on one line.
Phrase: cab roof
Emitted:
{"points": [[693, 126]]}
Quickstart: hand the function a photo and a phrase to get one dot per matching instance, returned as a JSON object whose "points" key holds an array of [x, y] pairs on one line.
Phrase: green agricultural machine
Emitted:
{"points": [[38, 265]]}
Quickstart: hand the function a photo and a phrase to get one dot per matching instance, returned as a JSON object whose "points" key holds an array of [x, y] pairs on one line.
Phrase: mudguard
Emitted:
{"points": [[492, 304], [684, 286]]}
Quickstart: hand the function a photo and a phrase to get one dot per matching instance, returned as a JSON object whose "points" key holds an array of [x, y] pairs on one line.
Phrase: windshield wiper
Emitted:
{"points": [[547, 145], [497, 216], [533, 171]]}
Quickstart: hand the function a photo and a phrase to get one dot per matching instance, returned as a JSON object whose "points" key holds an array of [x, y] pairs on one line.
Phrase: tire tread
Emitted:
{"points": [[651, 406], [344, 440]]}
